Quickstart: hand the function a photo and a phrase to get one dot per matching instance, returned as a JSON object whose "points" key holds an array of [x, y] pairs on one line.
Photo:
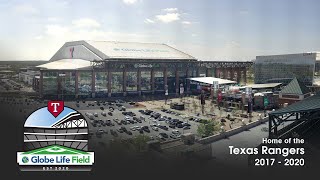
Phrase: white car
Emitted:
{"points": [[155, 128], [175, 131]]}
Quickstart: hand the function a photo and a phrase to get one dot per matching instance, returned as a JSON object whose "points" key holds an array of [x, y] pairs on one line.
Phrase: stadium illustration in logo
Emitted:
{"points": [[55, 137]]}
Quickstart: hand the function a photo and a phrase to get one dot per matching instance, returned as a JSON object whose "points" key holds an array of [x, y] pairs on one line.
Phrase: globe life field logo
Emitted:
{"points": [[55, 139]]}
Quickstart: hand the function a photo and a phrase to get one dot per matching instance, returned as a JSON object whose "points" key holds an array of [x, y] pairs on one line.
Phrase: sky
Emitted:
{"points": [[43, 118], [206, 29]]}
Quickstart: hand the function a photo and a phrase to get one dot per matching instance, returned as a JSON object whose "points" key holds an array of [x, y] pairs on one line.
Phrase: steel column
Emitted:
{"points": [[109, 83], [76, 83], [139, 81], [41, 84], [124, 83], [152, 81], [93, 83]]}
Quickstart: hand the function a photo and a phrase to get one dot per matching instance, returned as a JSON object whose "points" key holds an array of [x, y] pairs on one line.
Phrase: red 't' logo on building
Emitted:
{"points": [[55, 107], [71, 52]]}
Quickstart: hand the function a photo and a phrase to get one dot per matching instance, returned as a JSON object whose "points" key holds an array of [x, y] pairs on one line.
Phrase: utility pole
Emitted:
{"points": [[166, 93]]}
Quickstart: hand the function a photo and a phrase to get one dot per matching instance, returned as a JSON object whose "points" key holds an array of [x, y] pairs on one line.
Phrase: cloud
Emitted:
{"points": [[171, 9], [38, 37], [148, 21], [56, 30], [25, 9], [244, 12], [128, 2], [53, 19], [86, 23], [232, 44], [169, 17], [186, 22]]}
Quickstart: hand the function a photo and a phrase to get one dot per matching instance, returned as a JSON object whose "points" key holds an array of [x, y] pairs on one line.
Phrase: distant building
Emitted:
{"points": [[28, 76], [295, 91], [283, 68]]}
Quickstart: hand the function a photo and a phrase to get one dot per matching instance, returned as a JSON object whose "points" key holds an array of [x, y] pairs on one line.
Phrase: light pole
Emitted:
{"points": [[166, 93]]}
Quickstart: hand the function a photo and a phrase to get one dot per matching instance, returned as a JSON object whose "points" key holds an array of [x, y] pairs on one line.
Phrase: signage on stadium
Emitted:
{"points": [[139, 50], [143, 66], [46, 145]]}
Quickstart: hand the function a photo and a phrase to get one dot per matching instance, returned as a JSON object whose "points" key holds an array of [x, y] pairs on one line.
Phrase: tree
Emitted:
{"points": [[140, 142], [206, 129]]}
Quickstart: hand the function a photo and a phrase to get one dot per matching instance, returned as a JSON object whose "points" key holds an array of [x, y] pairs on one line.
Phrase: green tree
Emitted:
{"points": [[207, 129], [140, 142]]}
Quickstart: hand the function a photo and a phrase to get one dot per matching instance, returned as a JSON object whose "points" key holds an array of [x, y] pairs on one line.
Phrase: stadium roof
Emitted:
{"points": [[209, 80], [295, 87], [311, 103], [66, 64], [112, 50], [262, 86]]}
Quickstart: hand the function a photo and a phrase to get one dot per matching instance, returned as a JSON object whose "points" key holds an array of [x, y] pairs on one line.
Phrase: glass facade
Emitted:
{"points": [[192, 73], [85, 81], [283, 73], [116, 82], [202, 72], [171, 78], [145, 80], [101, 85], [67, 81], [182, 79], [158, 81], [132, 81], [50, 83]]}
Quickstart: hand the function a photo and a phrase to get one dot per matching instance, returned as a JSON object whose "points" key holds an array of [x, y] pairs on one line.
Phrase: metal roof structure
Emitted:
{"points": [[295, 87], [262, 86], [302, 114], [310, 103], [67, 64], [112, 50], [209, 80]]}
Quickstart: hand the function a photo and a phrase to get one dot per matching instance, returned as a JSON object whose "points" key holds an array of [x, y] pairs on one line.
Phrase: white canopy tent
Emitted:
{"points": [[210, 80], [67, 64]]}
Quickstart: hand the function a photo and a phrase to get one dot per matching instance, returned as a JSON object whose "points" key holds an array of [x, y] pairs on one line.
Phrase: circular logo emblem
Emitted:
{"points": [[25, 159]]}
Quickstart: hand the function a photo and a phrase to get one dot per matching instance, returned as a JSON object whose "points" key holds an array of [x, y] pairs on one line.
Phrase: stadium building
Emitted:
{"points": [[283, 68], [106, 69]]}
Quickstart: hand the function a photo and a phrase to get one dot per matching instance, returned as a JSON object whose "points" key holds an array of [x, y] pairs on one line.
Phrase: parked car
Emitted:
{"points": [[186, 127], [155, 128], [120, 130], [173, 136], [165, 135], [164, 127], [176, 132], [103, 113], [179, 125]]}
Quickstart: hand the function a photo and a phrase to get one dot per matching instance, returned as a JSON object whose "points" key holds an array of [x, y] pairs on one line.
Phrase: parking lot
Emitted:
{"points": [[123, 120], [129, 119]]}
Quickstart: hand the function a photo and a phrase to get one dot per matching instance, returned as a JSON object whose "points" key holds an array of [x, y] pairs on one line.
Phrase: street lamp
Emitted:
{"points": [[166, 93]]}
